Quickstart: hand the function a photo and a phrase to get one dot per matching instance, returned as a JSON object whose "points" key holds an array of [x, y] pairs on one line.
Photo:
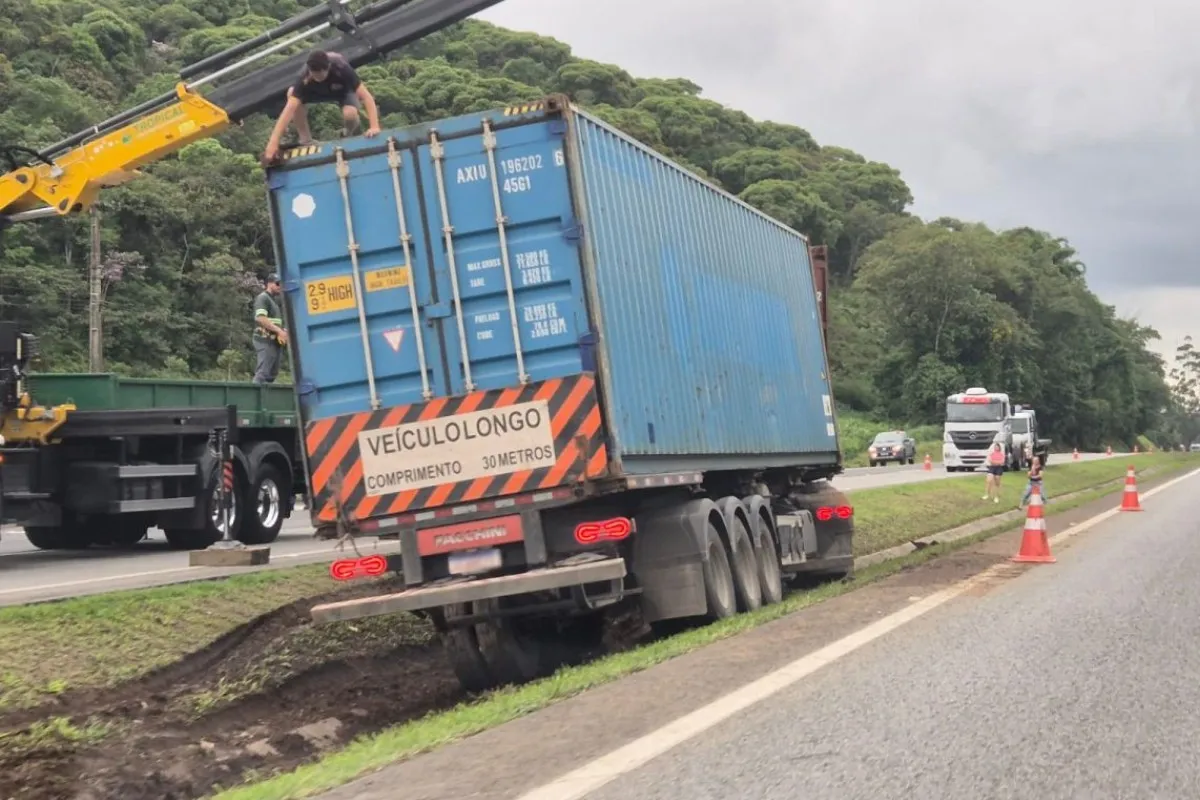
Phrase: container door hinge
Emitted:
{"points": [[572, 230], [557, 126], [275, 181], [291, 285], [305, 387]]}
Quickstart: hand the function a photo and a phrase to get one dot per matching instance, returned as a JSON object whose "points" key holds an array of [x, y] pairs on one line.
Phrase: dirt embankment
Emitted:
{"points": [[266, 697]]}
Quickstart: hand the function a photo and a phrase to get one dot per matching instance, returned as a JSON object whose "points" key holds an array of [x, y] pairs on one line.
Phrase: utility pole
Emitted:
{"points": [[95, 327]]}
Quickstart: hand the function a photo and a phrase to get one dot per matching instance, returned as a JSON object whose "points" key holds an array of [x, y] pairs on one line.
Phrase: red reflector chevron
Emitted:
{"points": [[347, 569], [611, 530]]}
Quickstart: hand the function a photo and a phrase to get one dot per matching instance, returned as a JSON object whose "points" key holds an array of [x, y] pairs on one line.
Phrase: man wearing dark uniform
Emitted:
{"points": [[270, 337], [327, 78]]}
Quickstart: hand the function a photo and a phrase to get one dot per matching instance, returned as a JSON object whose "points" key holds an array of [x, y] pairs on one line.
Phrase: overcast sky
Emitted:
{"points": [[1078, 117]]}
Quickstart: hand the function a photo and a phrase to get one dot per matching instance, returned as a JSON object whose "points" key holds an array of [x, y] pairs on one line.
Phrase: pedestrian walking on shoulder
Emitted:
{"points": [[270, 337], [1035, 479], [995, 469]]}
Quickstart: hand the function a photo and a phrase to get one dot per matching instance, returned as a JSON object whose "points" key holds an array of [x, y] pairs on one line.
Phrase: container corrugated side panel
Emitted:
{"points": [[713, 356]]}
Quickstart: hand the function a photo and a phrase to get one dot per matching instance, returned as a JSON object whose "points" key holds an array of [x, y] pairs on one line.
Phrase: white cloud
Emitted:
{"points": [[1074, 116]]}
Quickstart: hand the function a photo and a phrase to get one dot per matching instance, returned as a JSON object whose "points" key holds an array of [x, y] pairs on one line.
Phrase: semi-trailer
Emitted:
{"points": [[571, 378]]}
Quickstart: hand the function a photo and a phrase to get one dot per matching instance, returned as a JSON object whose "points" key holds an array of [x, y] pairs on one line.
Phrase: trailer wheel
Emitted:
{"points": [[462, 648], [718, 578], [512, 656], [770, 570], [262, 517], [745, 566]]}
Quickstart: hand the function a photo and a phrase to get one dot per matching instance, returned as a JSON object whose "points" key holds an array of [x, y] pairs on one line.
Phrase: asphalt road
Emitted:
{"points": [[1075, 680], [966, 677], [29, 575]]}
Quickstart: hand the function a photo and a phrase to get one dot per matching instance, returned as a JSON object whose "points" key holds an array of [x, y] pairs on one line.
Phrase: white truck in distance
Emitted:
{"points": [[1026, 442], [974, 419]]}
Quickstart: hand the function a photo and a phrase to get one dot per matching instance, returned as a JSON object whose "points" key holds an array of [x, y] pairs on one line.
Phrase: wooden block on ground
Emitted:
{"points": [[230, 557]]}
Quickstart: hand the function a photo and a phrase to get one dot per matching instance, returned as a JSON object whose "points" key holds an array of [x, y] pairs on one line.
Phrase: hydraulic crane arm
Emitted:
{"points": [[68, 176]]}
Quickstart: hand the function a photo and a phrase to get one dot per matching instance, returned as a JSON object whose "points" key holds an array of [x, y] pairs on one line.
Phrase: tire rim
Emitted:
{"points": [[269, 504], [218, 518]]}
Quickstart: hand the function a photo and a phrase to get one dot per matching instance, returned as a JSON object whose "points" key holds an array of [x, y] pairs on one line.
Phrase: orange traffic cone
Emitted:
{"points": [[1129, 500], [1108, 450], [1035, 548], [1075, 454], [928, 463]]}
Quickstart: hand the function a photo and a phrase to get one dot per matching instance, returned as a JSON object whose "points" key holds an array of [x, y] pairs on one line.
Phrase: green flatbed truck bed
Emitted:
{"points": [[258, 406], [139, 453]]}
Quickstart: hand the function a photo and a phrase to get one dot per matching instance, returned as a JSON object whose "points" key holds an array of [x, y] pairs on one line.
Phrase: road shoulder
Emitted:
{"points": [[512, 758]]}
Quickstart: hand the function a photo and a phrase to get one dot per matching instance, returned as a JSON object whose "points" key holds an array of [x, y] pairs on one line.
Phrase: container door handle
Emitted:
{"points": [[438, 153], [489, 144], [343, 173], [394, 163]]}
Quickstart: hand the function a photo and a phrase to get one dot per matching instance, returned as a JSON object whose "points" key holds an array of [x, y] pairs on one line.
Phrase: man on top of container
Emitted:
{"points": [[327, 78], [270, 337]]}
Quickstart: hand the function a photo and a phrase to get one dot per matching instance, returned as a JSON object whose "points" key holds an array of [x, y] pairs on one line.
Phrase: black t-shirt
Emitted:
{"points": [[339, 82]]}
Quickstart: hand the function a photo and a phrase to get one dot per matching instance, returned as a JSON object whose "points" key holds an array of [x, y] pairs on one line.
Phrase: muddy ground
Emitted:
{"points": [[266, 697]]}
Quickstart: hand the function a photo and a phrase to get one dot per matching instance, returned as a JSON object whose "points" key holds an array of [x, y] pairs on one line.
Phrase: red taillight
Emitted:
{"points": [[826, 513], [612, 530], [347, 569]]}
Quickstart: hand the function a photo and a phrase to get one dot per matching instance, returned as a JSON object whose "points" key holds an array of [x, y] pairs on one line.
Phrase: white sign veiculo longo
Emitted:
{"points": [[461, 447]]}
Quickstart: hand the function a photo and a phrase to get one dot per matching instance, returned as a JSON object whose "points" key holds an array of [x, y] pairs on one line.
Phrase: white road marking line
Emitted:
{"points": [[1075, 530], [588, 778], [130, 575]]}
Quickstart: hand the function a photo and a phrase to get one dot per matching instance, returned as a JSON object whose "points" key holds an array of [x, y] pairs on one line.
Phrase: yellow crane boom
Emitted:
{"points": [[72, 182], [67, 177]]}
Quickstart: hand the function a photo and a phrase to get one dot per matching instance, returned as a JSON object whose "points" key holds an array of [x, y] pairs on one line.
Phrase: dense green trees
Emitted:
{"points": [[918, 309]]}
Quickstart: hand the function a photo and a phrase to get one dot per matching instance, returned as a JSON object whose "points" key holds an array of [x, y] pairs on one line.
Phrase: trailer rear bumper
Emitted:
{"points": [[468, 590]]}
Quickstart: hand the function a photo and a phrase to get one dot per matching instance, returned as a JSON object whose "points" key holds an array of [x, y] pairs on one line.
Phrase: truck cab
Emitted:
{"points": [[974, 420], [1027, 443]]}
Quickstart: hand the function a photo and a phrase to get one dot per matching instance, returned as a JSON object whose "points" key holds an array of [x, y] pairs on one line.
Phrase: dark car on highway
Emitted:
{"points": [[892, 446]]}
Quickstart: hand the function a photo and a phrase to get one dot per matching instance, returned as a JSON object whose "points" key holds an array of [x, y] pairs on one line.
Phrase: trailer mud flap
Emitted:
{"points": [[467, 591], [668, 559]]}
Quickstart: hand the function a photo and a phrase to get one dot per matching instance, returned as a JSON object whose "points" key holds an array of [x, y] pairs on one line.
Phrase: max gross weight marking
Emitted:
{"points": [[465, 446]]}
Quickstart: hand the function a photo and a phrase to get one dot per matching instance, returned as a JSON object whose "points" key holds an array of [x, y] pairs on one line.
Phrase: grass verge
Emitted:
{"points": [[405, 741], [99, 640], [892, 515]]}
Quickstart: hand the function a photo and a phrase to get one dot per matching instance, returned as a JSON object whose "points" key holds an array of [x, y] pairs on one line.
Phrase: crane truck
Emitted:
{"points": [[96, 459]]}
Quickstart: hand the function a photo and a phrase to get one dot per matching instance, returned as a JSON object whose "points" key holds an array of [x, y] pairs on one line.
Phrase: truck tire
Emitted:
{"points": [[263, 506], [53, 538], [770, 571], [462, 648], [718, 578], [117, 530], [512, 656], [211, 533], [745, 565]]}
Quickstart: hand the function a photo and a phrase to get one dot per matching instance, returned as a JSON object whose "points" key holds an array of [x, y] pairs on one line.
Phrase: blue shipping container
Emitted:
{"points": [[661, 324]]}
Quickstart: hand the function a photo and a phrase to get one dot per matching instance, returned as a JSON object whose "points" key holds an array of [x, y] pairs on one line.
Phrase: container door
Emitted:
{"points": [[508, 257], [358, 278]]}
